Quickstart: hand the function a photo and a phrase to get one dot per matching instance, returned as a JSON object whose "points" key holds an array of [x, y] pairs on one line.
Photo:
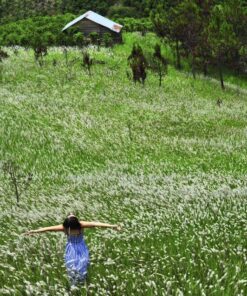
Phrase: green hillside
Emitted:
{"points": [[167, 163]]}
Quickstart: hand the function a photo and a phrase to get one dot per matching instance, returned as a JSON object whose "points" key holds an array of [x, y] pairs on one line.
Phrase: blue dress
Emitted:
{"points": [[76, 258]]}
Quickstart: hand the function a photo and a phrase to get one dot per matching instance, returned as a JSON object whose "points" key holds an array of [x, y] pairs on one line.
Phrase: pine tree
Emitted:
{"points": [[222, 38], [158, 63], [163, 20], [187, 25]]}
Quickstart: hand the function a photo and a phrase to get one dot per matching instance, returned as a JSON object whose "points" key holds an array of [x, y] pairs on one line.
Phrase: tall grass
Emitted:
{"points": [[166, 163]]}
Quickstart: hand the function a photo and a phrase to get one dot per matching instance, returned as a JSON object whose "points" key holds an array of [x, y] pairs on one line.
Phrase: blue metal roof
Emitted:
{"points": [[92, 16]]}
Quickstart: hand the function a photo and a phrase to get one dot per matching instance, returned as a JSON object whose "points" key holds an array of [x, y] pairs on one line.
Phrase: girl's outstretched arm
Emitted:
{"points": [[86, 224], [46, 229]]}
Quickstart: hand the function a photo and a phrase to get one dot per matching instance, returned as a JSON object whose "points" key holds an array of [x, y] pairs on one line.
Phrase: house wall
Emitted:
{"points": [[86, 27]]}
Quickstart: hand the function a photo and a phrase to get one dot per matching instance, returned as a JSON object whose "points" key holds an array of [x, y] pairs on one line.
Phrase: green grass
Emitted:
{"points": [[167, 163]]}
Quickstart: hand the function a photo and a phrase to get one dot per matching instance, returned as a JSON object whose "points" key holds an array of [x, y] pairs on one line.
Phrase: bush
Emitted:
{"points": [[94, 37], [107, 40], [78, 39], [49, 28], [12, 39]]}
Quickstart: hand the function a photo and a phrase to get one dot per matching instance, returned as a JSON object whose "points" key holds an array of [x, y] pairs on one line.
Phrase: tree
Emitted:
{"points": [[187, 28], [39, 45], [138, 64], [203, 50], [222, 38], [236, 14], [158, 63], [163, 20], [18, 180]]}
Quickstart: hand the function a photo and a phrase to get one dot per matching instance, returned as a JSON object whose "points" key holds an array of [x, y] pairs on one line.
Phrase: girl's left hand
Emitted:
{"points": [[30, 232]]}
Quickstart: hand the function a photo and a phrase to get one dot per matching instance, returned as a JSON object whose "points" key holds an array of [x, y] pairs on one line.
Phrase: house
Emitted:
{"points": [[92, 22]]}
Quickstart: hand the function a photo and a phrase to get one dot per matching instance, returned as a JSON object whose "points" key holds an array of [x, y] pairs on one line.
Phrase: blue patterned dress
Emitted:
{"points": [[76, 258]]}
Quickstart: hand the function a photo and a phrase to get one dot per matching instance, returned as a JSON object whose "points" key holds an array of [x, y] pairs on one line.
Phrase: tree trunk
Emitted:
{"points": [[178, 62], [193, 66], [17, 193], [14, 180], [66, 56], [205, 67], [220, 72], [89, 70]]}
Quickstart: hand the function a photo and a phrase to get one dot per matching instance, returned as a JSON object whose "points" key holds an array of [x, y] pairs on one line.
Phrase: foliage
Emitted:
{"points": [[48, 28], [107, 40], [118, 11], [188, 28], [207, 33], [222, 37], [165, 27], [16, 10], [78, 39], [135, 24], [94, 37]]}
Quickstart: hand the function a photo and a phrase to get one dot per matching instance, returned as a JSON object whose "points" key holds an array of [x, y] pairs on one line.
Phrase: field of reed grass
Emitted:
{"points": [[167, 163]]}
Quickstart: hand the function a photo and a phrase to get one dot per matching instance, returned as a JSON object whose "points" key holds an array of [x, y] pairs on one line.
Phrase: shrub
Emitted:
{"points": [[107, 40], [78, 39], [12, 39], [94, 37], [49, 28]]}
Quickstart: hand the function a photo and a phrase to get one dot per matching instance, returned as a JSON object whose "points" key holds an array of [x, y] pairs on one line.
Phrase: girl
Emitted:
{"points": [[76, 252]]}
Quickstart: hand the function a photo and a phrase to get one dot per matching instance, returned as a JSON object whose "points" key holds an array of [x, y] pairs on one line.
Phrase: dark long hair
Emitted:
{"points": [[71, 222]]}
